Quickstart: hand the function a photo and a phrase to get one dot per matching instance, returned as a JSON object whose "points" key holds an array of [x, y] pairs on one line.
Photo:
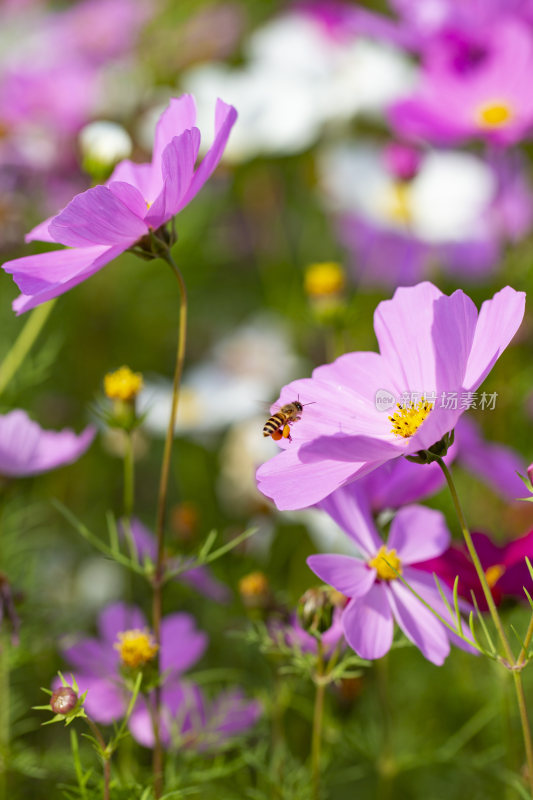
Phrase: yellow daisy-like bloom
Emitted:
{"points": [[324, 279], [136, 648], [495, 114], [409, 417], [386, 563], [253, 585], [123, 384]]}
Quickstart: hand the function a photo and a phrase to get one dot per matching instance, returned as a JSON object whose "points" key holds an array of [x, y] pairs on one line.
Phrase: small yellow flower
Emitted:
{"points": [[255, 584], [324, 279], [123, 384], [136, 648]]}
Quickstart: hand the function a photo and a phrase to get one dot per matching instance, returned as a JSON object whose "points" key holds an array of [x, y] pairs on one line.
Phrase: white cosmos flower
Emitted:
{"points": [[296, 79], [447, 201]]}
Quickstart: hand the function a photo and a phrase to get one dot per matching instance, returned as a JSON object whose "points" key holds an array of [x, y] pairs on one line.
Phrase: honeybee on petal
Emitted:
{"points": [[278, 426]]}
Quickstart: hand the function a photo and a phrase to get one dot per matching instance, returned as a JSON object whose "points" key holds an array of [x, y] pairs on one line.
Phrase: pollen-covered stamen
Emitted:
{"points": [[136, 647], [409, 417], [494, 573], [123, 384], [494, 115], [386, 563]]}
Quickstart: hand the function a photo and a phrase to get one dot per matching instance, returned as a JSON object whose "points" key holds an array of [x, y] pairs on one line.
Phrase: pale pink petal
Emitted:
{"points": [[97, 216], [138, 176], [182, 644], [418, 623], [368, 624], [499, 319], [418, 533], [178, 161], [179, 116], [117, 618], [349, 575], [350, 509], [41, 232]]}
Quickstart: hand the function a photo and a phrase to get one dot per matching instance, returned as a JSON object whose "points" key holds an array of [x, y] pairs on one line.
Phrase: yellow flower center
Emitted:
{"points": [[123, 384], [398, 204], [323, 279], [253, 585], [387, 564], [136, 648], [494, 573], [494, 115], [409, 417]]}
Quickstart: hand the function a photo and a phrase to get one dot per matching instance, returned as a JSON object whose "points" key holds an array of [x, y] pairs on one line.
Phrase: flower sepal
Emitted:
{"points": [[433, 453], [528, 482]]}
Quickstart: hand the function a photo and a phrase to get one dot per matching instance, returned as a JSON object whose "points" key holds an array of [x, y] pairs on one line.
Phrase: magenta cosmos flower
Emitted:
{"points": [[99, 224], [435, 350], [504, 565], [27, 449], [125, 642], [377, 597], [490, 99]]}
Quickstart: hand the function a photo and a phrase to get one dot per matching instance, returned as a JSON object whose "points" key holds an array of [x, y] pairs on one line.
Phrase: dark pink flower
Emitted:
{"points": [[99, 224]]}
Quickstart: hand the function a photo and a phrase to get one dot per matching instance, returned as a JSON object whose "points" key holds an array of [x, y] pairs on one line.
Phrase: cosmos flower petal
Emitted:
{"points": [[231, 713], [105, 702], [496, 464], [499, 320], [179, 116], [418, 623], [178, 160], [47, 275], [225, 116], [292, 483], [418, 533], [41, 232], [349, 508], [97, 216], [182, 644], [348, 575], [137, 175], [93, 657], [368, 624], [117, 618], [27, 449]]}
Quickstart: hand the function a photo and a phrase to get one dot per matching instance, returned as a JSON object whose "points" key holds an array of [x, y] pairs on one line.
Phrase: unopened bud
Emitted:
{"points": [[316, 607], [63, 700], [530, 473], [122, 387]]}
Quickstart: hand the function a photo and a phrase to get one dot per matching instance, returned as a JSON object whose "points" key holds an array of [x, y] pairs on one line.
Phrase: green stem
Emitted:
{"points": [[4, 714], [512, 663], [318, 716], [158, 578], [23, 343], [129, 476], [105, 757], [522, 658], [386, 760]]}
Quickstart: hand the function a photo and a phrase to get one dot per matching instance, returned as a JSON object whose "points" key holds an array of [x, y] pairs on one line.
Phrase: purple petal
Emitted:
{"points": [[349, 507], [142, 728], [498, 321], [182, 644], [48, 275], [105, 701], [349, 575], [179, 116], [139, 176], [130, 197], [418, 533], [494, 463], [203, 580], [27, 449], [418, 623], [41, 232], [143, 539], [117, 618], [93, 657], [231, 714], [179, 159], [400, 482], [97, 216], [368, 624], [225, 116]]}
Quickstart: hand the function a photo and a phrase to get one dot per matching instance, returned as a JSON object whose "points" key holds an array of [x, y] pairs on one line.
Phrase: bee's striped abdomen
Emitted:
{"points": [[274, 423]]}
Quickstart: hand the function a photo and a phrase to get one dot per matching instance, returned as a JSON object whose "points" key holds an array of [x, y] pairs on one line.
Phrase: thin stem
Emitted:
{"points": [[158, 578], [318, 715], [522, 658], [514, 665], [477, 563], [23, 343], [386, 760], [4, 714], [129, 476], [105, 757]]}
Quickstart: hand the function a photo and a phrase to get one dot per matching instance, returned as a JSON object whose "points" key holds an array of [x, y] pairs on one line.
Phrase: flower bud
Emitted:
{"points": [[316, 607], [401, 160], [530, 473], [122, 387], [63, 700]]}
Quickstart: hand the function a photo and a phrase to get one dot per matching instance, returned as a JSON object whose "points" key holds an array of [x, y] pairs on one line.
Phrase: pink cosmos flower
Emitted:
{"points": [[490, 99], [27, 449], [200, 578], [99, 224], [377, 597], [504, 565], [433, 347]]}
